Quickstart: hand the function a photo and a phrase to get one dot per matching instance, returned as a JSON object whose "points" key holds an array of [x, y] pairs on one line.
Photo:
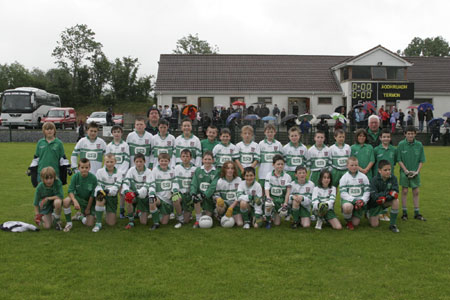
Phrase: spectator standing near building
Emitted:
{"points": [[421, 117], [428, 117]]}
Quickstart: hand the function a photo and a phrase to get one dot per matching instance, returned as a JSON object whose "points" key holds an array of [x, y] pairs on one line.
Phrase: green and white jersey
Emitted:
{"points": [[162, 145], [204, 181], [248, 153], [249, 193], [162, 184], [327, 195], [184, 177], [319, 159], [228, 190], [268, 150], [135, 180], [294, 156], [122, 153], [193, 144], [83, 187], [354, 187], [106, 181], [49, 154], [92, 150], [140, 144], [304, 190], [223, 153], [339, 156], [277, 185]]}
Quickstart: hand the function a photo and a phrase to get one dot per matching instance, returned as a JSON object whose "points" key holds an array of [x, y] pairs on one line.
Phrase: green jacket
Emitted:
{"points": [[381, 188]]}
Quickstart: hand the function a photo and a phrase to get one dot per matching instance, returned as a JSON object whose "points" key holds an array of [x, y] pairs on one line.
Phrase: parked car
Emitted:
{"points": [[62, 117], [98, 117], [118, 120]]}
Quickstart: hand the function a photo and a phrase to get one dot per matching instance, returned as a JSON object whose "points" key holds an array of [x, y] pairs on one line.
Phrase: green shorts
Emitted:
{"points": [[165, 208], [336, 174], [236, 209], [142, 204], [330, 215], [304, 213], [410, 183], [314, 177], [356, 213], [375, 211], [278, 203], [47, 209], [208, 205], [186, 203], [111, 204], [84, 203]]}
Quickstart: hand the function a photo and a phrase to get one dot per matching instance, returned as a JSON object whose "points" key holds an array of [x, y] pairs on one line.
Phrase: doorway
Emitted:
{"points": [[206, 105], [298, 105]]}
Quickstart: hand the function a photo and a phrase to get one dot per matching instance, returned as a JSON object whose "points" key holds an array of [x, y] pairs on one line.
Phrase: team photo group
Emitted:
{"points": [[152, 178]]}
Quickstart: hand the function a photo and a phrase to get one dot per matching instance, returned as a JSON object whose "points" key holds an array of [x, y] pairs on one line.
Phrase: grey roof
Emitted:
{"points": [[430, 74]]}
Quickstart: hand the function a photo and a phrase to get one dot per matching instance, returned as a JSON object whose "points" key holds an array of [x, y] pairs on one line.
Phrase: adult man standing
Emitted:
{"points": [[374, 131], [428, 117], [421, 116], [153, 120], [167, 112]]}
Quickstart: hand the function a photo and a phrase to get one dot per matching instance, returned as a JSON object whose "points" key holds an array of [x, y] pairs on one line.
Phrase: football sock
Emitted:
{"points": [[394, 214], [296, 214], [197, 217], [180, 218], [155, 216], [57, 218], [385, 211], [99, 213], [347, 217], [244, 214], [416, 211], [405, 211], [130, 217], [68, 214], [122, 210]]}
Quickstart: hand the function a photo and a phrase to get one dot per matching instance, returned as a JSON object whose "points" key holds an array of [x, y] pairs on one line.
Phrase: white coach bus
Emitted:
{"points": [[26, 106]]}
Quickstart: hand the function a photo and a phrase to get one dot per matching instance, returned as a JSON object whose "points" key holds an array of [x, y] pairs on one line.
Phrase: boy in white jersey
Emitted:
{"points": [[301, 193], [277, 190], [164, 193], [162, 142], [135, 187], [109, 181], [318, 157], [225, 151], [226, 193], [139, 141], [184, 174], [294, 152], [250, 196], [187, 140], [249, 154], [121, 150], [269, 147], [340, 152], [354, 188], [90, 147]]}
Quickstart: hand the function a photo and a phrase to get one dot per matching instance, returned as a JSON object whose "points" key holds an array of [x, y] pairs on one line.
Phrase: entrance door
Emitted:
{"points": [[298, 105], [206, 105]]}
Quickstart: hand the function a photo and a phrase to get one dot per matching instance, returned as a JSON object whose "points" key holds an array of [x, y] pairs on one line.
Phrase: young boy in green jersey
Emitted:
{"points": [[301, 193], [269, 147], [91, 147], [319, 157], [277, 190], [340, 152], [140, 141], [211, 141], [383, 193], [47, 199], [203, 186], [225, 151], [187, 140], [250, 196], [385, 151], [184, 174], [294, 152], [410, 157], [81, 195], [162, 142], [249, 153], [363, 152]]}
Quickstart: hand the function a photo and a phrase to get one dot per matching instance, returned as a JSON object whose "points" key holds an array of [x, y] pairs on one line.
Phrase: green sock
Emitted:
{"points": [[244, 214], [155, 216], [130, 217], [405, 211], [296, 214], [385, 211], [99, 213], [122, 210], [416, 211], [394, 214], [68, 214]]}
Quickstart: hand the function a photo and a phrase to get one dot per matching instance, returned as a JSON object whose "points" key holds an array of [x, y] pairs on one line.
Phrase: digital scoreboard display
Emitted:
{"points": [[365, 91]]}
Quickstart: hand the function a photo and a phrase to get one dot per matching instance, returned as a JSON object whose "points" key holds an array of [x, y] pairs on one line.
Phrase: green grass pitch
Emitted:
{"points": [[281, 263]]}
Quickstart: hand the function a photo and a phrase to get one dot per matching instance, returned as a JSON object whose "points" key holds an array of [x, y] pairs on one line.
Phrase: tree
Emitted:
{"points": [[123, 78], [193, 45], [100, 74], [436, 46]]}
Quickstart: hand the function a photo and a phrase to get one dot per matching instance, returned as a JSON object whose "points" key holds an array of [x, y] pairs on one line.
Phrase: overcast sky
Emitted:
{"points": [[145, 29]]}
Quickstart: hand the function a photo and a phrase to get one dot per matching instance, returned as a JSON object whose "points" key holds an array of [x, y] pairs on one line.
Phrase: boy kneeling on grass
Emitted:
{"points": [[47, 199], [383, 193]]}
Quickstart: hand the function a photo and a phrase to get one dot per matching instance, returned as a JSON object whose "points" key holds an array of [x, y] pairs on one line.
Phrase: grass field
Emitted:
{"points": [[222, 263]]}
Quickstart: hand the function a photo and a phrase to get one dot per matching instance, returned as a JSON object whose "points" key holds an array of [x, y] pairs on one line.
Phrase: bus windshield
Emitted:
{"points": [[17, 103]]}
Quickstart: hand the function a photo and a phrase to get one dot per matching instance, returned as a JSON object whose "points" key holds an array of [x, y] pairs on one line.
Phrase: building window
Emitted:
{"points": [[179, 100], [379, 73], [233, 99], [361, 72], [396, 73], [265, 100], [324, 100], [344, 74]]}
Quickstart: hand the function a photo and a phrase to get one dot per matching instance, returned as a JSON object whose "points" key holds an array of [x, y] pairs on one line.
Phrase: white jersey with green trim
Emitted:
{"points": [[184, 176], [318, 159], [162, 145], [106, 181], [277, 185], [193, 144], [294, 156], [304, 190], [327, 195], [140, 144], [227, 190], [249, 193], [268, 151], [248, 153], [223, 153], [339, 156], [355, 187], [162, 184], [135, 180], [122, 153], [92, 150]]}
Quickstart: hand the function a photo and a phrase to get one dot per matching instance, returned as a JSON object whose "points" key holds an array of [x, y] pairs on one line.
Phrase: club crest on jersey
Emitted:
{"points": [[308, 189], [231, 151], [301, 152], [326, 153], [122, 149], [169, 143], [147, 141], [171, 174], [329, 191], [252, 149], [192, 174], [253, 193], [275, 148], [360, 180], [236, 185], [192, 144], [98, 146], [144, 178], [283, 182], [347, 152]]}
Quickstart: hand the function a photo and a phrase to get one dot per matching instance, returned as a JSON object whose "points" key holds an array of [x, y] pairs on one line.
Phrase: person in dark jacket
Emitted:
{"points": [[421, 117]]}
